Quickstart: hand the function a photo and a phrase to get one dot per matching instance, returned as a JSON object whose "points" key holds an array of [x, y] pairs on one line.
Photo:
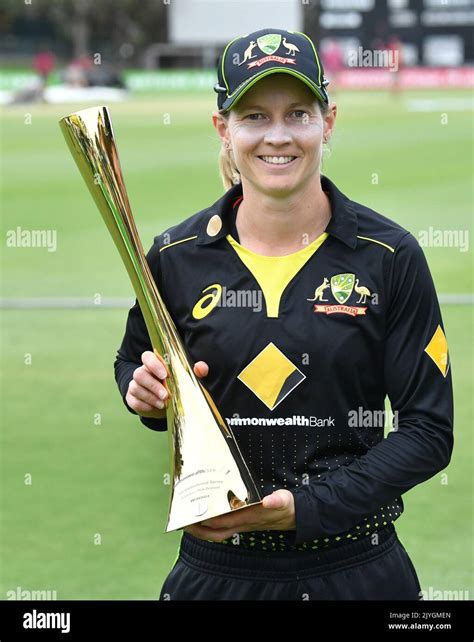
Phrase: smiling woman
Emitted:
{"points": [[229, 171], [347, 315], [274, 136]]}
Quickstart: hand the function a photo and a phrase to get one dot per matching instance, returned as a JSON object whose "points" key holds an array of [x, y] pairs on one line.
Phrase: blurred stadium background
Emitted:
{"points": [[83, 503]]}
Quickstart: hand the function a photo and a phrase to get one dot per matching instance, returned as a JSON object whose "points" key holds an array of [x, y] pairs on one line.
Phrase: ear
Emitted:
{"points": [[222, 127], [330, 120]]}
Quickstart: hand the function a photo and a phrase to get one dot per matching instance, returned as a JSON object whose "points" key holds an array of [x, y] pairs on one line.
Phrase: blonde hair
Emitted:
{"points": [[229, 173]]}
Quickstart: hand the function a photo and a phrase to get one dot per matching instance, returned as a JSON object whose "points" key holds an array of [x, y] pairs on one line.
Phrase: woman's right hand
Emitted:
{"points": [[146, 393]]}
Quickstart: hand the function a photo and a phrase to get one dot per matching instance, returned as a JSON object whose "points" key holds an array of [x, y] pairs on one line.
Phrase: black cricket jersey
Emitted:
{"points": [[302, 351]]}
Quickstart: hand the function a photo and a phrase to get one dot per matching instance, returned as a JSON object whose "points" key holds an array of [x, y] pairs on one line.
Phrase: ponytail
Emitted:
{"points": [[230, 175]]}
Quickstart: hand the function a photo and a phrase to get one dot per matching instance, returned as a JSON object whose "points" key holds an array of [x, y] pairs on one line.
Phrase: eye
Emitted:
{"points": [[255, 116], [299, 113]]}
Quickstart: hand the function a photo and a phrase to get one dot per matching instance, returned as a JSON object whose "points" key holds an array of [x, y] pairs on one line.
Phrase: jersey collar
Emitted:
{"points": [[343, 223]]}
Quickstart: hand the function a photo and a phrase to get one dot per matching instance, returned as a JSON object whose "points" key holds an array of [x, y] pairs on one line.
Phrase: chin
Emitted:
{"points": [[278, 187]]}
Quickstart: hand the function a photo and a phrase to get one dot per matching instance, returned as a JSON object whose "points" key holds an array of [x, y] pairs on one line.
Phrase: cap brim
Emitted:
{"points": [[231, 100]]}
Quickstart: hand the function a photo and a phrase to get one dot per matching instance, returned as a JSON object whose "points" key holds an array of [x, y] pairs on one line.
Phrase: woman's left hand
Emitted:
{"points": [[275, 512]]}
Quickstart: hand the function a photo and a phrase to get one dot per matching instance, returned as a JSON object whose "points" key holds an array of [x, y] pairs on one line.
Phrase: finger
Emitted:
{"points": [[138, 405], [201, 369], [144, 395], [218, 523], [148, 381], [154, 365], [209, 534], [278, 500], [247, 516]]}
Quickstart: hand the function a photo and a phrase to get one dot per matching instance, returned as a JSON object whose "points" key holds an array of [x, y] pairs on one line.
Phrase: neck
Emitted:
{"points": [[281, 225]]}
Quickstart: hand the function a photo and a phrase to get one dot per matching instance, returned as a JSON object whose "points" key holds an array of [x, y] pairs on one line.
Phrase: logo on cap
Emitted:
{"points": [[248, 52], [269, 43]]}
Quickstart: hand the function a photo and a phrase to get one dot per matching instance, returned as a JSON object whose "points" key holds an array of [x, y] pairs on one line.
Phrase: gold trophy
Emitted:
{"points": [[208, 474]]}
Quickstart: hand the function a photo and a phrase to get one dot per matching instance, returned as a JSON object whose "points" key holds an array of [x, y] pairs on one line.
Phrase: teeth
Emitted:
{"points": [[277, 160]]}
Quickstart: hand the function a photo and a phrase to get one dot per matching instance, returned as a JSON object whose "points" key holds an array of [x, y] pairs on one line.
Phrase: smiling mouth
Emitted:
{"points": [[278, 160]]}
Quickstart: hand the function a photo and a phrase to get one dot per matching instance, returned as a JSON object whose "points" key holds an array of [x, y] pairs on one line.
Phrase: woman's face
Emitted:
{"points": [[275, 132]]}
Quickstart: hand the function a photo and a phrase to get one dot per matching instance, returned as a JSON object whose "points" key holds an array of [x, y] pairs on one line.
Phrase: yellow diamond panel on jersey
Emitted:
{"points": [[271, 376], [437, 349]]}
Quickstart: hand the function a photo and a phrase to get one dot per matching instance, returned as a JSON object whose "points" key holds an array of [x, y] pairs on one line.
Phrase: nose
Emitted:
{"points": [[277, 134]]}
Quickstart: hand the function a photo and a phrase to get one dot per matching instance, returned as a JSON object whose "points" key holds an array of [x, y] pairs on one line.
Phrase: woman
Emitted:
{"points": [[302, 309]]}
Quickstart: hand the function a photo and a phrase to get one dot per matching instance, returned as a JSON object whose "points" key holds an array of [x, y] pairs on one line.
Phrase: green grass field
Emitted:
{"points": [[107, 479]]}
